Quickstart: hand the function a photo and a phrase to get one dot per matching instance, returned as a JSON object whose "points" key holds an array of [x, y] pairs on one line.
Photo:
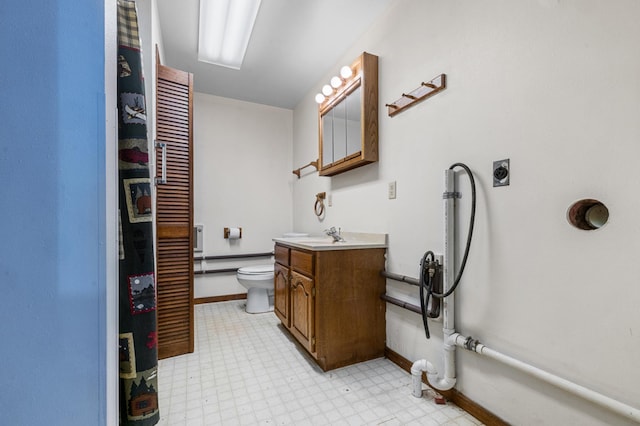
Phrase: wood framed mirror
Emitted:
{"points": [[348, 120]]}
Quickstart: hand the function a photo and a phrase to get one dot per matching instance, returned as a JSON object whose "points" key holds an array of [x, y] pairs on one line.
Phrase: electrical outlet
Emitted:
{"points": [[392, 190], [501, 172], [330, 200]]}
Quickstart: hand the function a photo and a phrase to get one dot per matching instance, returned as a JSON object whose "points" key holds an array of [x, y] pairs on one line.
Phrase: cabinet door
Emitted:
{"points": [[302, 312], [281, 293]]}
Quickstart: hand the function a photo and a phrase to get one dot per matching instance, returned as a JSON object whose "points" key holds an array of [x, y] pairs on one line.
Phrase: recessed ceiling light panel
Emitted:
{"points": [[225, 30]]}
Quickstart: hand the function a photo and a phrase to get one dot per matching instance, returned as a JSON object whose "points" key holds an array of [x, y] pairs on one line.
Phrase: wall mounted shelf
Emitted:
{"points": [[423, 92]]}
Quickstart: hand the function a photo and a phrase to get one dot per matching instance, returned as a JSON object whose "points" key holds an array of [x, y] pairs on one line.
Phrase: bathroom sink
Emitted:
{"points": [[311, 240], [352, 240]]}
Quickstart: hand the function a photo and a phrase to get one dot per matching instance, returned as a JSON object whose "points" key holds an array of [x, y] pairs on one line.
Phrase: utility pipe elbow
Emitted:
{"points": [[419, 366], [416, 376], [440, 383]]}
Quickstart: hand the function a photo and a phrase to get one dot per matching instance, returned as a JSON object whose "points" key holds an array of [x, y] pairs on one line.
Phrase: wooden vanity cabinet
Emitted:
{"points": [[294, 292], [281, 293], [281, 277], [303, 310], [329, 300]]}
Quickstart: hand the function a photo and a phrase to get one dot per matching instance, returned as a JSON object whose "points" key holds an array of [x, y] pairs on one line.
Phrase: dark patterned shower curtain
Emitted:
{"points": [[137, 287]]}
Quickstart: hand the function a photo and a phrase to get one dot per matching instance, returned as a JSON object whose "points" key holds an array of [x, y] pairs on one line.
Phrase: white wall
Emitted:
{"points": [[242, 178], [554, 87]]}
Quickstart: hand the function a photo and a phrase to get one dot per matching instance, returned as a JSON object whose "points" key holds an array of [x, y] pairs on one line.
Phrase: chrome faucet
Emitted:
{"points": [[334, 234]]}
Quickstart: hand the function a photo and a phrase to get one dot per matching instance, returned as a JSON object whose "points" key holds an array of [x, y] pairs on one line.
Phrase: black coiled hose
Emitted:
{"points": [[426, 287], [428, 260]]}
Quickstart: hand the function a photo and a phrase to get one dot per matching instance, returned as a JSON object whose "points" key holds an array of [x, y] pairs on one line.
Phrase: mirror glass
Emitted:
{"points": [[341, 129], [353, 122], [327, 134]]}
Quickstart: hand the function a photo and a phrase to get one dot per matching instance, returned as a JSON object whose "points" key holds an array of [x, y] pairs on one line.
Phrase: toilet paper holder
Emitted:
{"points": [[227, 233]]}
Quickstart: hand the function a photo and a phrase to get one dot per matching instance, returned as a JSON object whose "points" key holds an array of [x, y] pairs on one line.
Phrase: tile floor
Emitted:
{"points": [[247, 371]]}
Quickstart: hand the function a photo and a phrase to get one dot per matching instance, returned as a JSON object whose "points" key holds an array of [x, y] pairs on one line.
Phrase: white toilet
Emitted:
{"points": [[258, 280]]}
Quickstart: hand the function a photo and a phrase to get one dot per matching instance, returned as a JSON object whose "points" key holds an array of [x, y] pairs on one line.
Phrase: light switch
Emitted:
{"points": [[392, 190]]}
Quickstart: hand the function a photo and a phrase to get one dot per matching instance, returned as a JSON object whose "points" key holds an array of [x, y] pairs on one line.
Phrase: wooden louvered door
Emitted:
{"points": [[174, 211]]}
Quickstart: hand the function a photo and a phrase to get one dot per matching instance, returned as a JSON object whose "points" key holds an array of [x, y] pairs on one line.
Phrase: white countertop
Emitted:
{"points": [[352, 240]]}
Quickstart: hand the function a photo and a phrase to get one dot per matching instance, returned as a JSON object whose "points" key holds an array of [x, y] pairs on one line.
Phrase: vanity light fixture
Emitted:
{"points": [[224, 31], [346, 71], [335, 83]]}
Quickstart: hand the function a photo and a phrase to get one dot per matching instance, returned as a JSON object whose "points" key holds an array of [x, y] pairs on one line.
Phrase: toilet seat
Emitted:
{"points": [[257, 272]]}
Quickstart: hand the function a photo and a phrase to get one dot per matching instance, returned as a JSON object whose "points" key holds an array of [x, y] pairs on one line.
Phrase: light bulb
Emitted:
{"points": [[319, 98], [327, 90], [346, 72], [336, 82]]}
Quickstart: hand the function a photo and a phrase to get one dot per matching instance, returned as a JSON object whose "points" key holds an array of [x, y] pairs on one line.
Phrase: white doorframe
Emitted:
{"points": [[111, 213]]}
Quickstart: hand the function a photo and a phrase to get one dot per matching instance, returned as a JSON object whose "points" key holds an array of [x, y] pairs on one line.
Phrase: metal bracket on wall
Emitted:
{"points": [[454, 194]]}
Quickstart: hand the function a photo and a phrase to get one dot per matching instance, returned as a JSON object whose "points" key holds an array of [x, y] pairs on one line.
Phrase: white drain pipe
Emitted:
{"points": [[448, 380], [595, 397]]}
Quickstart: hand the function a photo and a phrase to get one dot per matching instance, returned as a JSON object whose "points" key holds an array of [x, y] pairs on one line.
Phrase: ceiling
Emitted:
{"points": [[293, 45]]}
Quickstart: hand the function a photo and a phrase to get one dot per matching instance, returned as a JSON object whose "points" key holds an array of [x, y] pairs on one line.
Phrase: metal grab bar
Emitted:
{"points": [[398, 302], [234, 256], [224, 257], [398, 277], [401, 303], [216, 271]]}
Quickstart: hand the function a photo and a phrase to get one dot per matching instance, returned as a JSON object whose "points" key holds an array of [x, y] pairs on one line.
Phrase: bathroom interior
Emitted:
{"points": [[550, 85], [541, 105]]}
